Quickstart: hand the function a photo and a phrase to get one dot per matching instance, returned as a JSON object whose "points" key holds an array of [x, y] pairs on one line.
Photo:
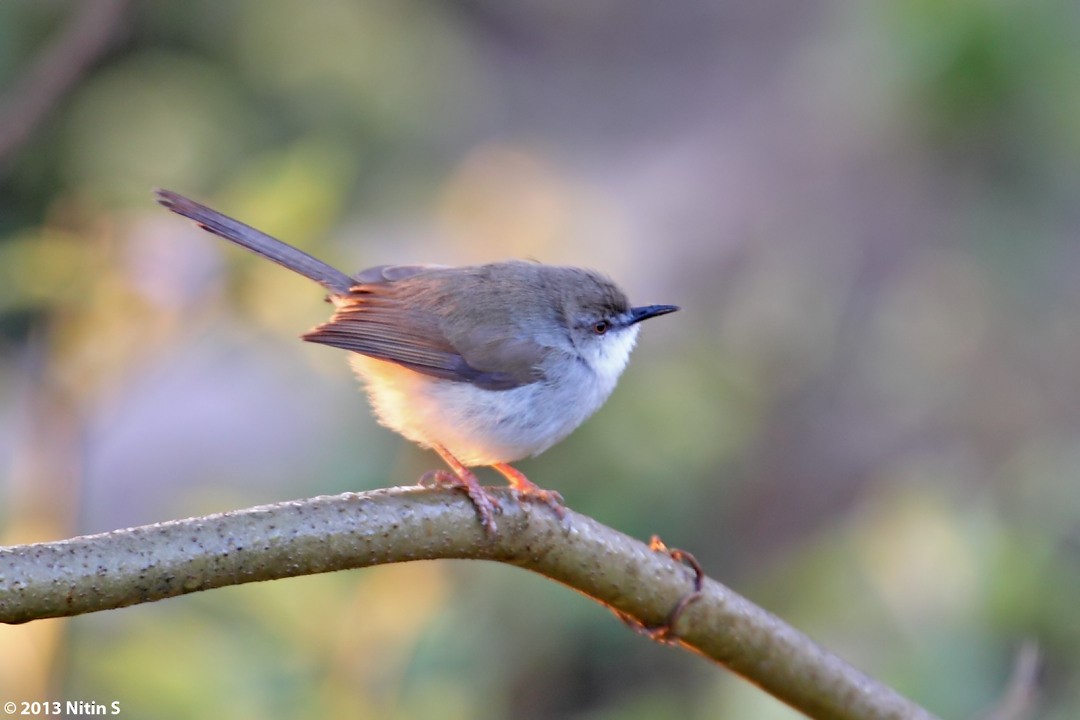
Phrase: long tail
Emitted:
{"points": [[257, 241]]}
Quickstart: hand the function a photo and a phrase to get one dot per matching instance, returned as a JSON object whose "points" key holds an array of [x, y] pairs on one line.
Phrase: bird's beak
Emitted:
{"points": [[648, 311]]}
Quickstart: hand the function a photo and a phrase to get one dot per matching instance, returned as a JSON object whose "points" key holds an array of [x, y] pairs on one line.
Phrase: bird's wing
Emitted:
{"points": [[384, 320]]}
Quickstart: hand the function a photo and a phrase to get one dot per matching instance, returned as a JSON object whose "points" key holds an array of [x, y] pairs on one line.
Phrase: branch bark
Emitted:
{"points": [[323, 534]]}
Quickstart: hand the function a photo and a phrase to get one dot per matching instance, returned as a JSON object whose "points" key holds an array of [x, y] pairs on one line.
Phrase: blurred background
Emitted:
{"points": [[866, 419]]}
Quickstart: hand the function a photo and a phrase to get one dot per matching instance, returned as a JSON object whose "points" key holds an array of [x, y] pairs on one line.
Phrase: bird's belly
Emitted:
{"points": [[477, 426]]}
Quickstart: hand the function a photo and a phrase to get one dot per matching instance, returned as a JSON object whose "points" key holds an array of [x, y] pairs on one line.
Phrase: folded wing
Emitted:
{"points": [[413, 325]]}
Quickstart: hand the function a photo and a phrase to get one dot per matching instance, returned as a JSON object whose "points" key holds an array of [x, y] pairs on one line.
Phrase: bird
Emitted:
{"points": [[484, 364]]}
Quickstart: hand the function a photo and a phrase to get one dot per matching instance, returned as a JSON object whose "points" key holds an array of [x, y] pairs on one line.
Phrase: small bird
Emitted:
{"points": [[485, 364]]}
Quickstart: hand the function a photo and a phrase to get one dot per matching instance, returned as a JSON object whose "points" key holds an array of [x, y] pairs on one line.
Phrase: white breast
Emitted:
{"points": [[484, 427]]}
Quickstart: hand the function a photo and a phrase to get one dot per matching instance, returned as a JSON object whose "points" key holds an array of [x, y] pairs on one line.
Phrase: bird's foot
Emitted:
{"points": [[526, 489], [484, 503]]}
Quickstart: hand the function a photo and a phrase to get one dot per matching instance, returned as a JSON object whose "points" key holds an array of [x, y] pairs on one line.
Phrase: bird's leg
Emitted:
{"points": [[526, 488], [462, 477]]}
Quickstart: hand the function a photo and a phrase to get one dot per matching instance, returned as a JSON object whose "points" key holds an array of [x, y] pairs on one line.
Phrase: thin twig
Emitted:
{"points": [[85, 37], [1020, 699]]}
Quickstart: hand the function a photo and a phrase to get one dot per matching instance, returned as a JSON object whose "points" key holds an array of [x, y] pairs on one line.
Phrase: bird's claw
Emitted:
{"points": [[485, 504], [526, 489]]}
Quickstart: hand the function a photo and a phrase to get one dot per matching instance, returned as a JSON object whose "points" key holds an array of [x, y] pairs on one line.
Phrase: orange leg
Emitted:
{"points": [[526, 488], [463, 478]]}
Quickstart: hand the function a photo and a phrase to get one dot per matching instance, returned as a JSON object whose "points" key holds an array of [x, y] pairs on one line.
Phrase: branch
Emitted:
{"points": [[85, 38], [323, 534]]}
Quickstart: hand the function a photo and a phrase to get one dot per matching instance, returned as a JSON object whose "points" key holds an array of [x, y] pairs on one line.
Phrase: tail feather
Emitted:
{"points": [[257, 241]]}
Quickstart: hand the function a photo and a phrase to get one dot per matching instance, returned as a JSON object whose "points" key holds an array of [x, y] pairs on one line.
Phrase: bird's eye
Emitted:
{"points": [[601, 326]]}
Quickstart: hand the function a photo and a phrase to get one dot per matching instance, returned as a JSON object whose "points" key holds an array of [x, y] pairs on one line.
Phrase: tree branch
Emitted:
{"points": [[323, 534], [85, 37]]}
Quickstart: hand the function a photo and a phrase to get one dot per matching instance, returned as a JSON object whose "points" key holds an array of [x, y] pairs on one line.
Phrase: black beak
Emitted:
{"points": [[644, 313]]}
